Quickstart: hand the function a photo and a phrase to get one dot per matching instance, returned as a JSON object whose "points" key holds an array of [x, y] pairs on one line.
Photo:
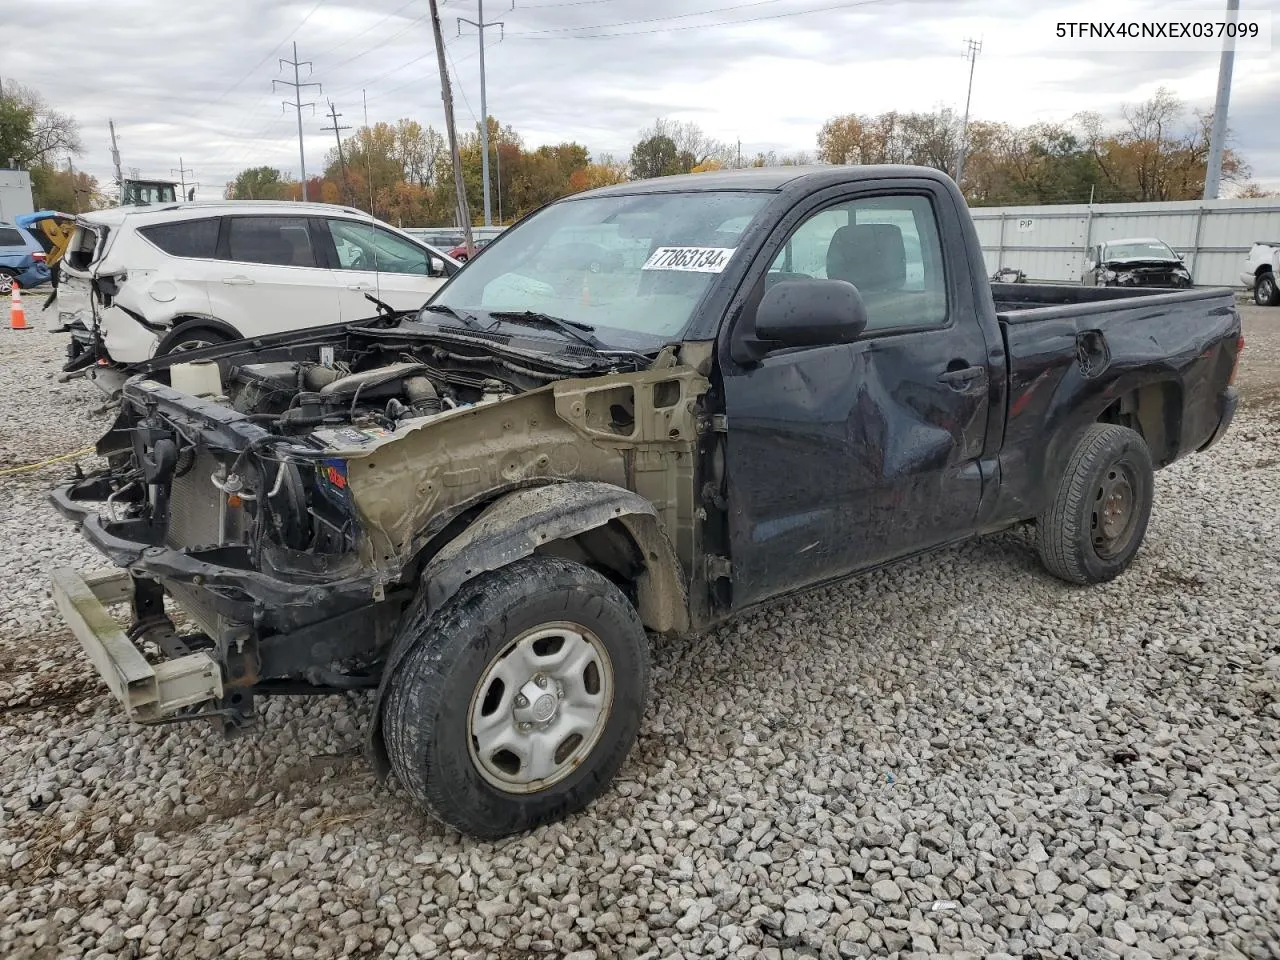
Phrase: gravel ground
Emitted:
{"points": [[959, 756]]}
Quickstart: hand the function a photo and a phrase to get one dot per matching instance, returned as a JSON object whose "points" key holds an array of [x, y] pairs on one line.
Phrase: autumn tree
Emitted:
{"points": [[65, 190]]}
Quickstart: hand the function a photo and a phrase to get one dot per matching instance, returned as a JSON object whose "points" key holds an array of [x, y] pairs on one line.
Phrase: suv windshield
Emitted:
{"points": [[634, 264], [1140, 250]]}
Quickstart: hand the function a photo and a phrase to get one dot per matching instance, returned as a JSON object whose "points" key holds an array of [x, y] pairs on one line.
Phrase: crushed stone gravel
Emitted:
{"points": [[958, 756]]}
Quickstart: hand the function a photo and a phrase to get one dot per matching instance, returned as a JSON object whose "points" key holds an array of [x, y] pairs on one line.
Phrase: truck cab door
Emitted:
{"points": [[842, 457]]}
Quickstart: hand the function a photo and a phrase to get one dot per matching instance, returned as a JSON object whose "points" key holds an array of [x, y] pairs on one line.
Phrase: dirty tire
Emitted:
{"points": [[1070, 533], [1265, 291], [426, 716], [192, 337]]}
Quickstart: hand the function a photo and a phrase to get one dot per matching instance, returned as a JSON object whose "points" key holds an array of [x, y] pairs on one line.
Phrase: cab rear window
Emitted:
{"points": [[186, 238]]}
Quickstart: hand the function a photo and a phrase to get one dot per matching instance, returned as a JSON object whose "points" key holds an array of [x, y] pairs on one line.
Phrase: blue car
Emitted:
{"points": [[21, 259]]}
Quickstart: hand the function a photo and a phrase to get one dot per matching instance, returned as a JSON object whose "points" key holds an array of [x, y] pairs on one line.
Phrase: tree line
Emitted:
{"points": [[402, 172]]}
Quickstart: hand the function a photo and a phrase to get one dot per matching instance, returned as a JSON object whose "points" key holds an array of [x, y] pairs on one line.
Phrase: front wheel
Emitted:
{"points": [[1265, 292], [520, 698], [1095, 524]]}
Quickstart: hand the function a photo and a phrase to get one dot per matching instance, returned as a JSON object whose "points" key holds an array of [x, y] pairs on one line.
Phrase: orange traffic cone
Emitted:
{"points": [[17, 315]]}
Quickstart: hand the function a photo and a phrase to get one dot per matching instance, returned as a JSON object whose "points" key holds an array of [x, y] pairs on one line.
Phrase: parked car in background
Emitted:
{"points": [[1261, 268], [21, 259], [184, 276], [1138, 262], [459, 252]]}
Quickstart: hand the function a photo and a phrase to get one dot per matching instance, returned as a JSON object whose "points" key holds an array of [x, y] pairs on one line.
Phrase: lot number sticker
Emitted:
{"points": [[690, 259]]}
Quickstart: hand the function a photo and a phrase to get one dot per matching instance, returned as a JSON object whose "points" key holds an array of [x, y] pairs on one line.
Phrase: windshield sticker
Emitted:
{"points": [[690, 259]]}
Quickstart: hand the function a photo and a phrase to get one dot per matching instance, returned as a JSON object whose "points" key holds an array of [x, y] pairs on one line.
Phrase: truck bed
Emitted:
{"points": [[1026, 302]]}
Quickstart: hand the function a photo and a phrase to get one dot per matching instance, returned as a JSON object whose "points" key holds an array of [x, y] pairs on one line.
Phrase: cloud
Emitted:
{"points": [[193, 81]]}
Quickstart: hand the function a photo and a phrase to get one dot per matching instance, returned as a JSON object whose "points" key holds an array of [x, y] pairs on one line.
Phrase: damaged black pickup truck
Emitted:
{"points": [[644, 409]]}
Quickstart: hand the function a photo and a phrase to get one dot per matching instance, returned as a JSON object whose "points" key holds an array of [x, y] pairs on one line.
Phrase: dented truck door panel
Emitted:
{"points": [[841, 457]]}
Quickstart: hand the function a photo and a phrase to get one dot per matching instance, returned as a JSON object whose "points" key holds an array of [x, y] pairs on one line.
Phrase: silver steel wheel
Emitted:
{"points": [[186, 346], [540, 707], [6, 283]]}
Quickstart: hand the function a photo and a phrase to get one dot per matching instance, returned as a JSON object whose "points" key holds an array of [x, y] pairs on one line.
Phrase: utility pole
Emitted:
{"points": [[446, 94], [738, 166], [182, 172], [75, 190], [481, 26], [297, 104], [1218, 136], [972, 49], [368, 152], [115, 157], [342, 161]]}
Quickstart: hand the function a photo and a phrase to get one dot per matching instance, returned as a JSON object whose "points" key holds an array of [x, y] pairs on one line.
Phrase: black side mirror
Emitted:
{"points": [[811, 313]]}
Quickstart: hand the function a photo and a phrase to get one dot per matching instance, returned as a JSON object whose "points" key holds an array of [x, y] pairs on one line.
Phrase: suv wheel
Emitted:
{"points": [[6, 281], [520, 699], [186, 339], [1265, 292]]}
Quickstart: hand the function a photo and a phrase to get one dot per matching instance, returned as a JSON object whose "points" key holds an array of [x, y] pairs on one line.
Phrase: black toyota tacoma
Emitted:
{"points": [[646, 408]]}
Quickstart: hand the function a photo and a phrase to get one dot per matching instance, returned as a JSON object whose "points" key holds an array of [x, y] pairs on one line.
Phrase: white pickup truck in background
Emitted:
{"points": [[1261, 267]]}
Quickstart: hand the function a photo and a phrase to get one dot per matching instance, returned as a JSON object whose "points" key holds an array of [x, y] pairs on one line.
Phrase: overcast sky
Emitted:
{"points": [[193, 79]]}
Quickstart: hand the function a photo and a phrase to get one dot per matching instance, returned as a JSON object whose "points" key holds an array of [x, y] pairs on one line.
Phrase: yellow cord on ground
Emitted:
{"points": [[45, 463]]}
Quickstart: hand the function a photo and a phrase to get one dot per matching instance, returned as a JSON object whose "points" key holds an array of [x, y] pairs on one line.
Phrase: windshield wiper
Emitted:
{"points": [[570, 328], [466, 318]]}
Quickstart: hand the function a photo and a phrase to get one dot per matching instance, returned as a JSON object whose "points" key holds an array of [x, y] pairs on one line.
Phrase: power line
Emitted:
{"points": [[297, 104], [849, 4], [270, 54], [346, 41], [674, 16]]}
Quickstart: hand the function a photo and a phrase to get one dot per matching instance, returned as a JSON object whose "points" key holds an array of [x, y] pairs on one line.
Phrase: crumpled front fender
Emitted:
{"points": [[515, 527]]}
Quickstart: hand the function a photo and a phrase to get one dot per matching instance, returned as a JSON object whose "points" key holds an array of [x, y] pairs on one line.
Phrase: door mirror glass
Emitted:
{"points": [[811, 313], [437, 267]]}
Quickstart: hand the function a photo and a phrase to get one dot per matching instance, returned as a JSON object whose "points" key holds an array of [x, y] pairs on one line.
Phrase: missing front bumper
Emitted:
{"points": [[149, 693]]}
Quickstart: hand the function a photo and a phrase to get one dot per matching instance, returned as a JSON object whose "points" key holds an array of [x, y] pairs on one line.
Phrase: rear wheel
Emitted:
{"points": [[520, 699], [188, 338], [1093, 528], [7, 277], [1265, 291]]}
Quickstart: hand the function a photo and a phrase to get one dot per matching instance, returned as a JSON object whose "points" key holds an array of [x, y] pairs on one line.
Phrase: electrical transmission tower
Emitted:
{"points": [[972, 49], [481, 26], [342, 161], [297, 104]]}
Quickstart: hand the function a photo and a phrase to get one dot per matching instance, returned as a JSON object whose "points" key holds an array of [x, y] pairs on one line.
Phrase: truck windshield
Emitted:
{"points": [[636, 264], [1140, 250]]}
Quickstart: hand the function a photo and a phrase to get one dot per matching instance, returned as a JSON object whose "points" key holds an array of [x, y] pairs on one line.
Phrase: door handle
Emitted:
{"points": [[359, 286], [237, 281], [956, 378]]}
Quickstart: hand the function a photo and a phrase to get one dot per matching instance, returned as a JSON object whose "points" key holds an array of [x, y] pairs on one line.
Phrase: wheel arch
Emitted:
{"points": [[601, 525], [190, 321]]}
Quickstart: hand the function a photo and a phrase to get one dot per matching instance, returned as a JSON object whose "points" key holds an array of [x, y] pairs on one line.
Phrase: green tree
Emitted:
{"points": [[17, 122], [656, 156], [260, 183]]}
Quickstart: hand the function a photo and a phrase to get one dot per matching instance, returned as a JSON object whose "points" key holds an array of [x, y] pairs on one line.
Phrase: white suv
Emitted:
{"points": [[182, 276]]}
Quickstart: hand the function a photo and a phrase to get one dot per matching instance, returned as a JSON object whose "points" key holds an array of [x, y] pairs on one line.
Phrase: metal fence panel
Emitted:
{"points": [[1048, 243]]}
